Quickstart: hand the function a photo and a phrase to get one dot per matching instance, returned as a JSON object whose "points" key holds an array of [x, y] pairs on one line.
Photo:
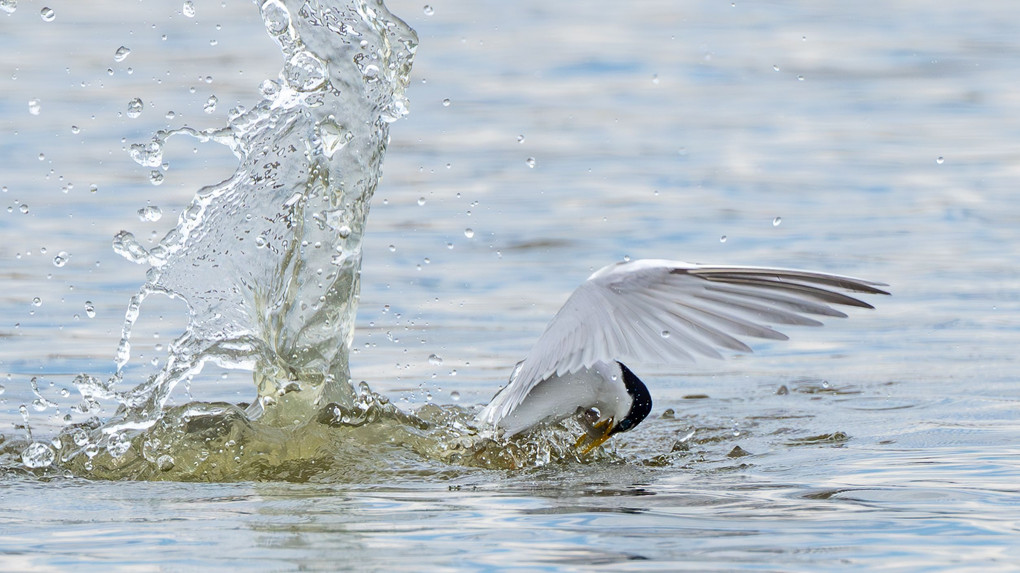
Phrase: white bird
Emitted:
{"points": [[652, 311]]}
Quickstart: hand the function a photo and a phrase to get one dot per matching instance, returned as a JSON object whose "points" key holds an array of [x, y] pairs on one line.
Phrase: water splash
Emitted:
{"points": [[268, 260]]}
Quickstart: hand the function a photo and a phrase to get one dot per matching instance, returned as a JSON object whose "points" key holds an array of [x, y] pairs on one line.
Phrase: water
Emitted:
{"points": [[544, 142]]}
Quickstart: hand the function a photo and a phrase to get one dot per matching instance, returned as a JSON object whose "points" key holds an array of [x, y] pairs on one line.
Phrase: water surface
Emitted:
{"points": [[882, 136]]}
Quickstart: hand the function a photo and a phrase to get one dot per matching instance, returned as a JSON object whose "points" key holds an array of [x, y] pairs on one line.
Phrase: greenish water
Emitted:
{"points": [[882, 135]]}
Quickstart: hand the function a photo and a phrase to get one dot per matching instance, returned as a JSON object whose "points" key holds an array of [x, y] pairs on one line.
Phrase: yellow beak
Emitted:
{"points": [[602, 433]]}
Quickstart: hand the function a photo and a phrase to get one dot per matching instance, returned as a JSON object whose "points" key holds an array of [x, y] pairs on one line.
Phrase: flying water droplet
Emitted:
{"points": [[210, 104], [469, 233], [455, 396], [38, 455], [125, 245], [777, 221], [446, 102], [940, 160], [429, 10], [34, 106], [531, 162], [8, 6], [47, 14], [276, 17], [134, 108], [188, 9], [61, 259], [147, 154], [90, 309], [36, 301], [150, 213], [722, 239], [121, 54], [155, 177], [435, 360]]}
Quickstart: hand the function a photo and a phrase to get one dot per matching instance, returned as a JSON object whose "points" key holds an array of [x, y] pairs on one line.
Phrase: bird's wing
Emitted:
{"points": [[658, 311]]}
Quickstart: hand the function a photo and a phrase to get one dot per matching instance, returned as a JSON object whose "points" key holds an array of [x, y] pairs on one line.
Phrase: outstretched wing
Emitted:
{"points": [[665, 312]]}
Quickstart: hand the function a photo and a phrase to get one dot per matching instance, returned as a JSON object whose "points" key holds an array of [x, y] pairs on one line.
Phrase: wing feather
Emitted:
{"points": [[622, 312]]}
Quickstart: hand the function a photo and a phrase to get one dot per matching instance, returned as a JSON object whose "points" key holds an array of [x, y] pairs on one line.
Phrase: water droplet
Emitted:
{"points": [[655, 79], [147, 154], [134, 108], [435, 360], [90, 309], [393, 248], [421, 201], [150, 213], [93, 188], [121, 54], [170, 114], [429, 10], [775, 68], [34, 106], [531, 162], [155, 177], [188, 9], [9, 6], [469, 233], [446, 102], [61, 259], [664, 334], [455, 396], [125, 245], [165, 463], [304, 72], [38, 455], [777, 221], [42, 157], [939, 160], [722, 239], [276, 17], [210, 104], [800, 78], [520, 139], [36, 301], [75, 129], [47, 14], [24, 208]]}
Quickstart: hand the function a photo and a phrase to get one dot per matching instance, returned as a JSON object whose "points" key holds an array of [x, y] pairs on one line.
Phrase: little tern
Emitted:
{"points": [[653, 311]]}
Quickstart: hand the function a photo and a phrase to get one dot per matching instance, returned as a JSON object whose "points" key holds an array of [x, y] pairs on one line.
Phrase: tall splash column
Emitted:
{"points": [[347, 67], [268, 261]]}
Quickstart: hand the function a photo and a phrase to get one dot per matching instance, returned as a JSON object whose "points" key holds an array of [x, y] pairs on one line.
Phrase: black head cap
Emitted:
{"points": [[641, 406]]}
